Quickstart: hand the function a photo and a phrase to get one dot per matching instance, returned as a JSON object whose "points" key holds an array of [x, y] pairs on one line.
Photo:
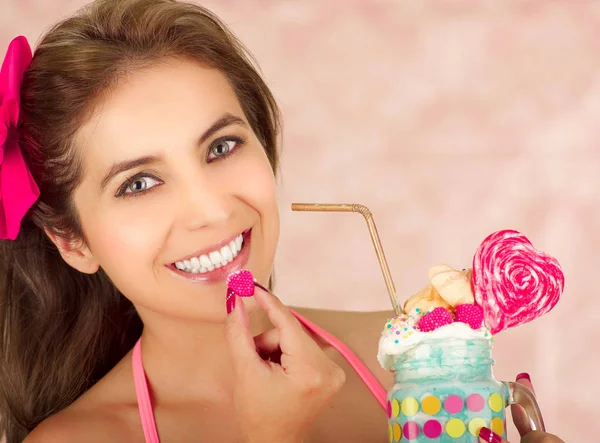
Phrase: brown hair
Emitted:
{"points": [[61, 330]]}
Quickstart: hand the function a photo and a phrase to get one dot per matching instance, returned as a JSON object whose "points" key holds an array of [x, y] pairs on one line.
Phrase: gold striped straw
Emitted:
{"points": [[353, 207]]}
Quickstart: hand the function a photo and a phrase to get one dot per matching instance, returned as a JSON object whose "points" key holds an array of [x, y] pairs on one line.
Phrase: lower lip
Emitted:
{"points": [[221, 273]]}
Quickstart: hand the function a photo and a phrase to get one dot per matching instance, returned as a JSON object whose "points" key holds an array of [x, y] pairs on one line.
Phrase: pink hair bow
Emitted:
{"points": [[18, 190]]}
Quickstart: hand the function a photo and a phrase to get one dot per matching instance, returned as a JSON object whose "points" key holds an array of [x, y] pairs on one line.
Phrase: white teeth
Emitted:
{"points": [[216, 259], [227, 253], [206, 263]]}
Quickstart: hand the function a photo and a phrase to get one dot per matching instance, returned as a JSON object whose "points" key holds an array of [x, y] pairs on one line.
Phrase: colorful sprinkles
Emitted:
{"points": [[403, 326]]}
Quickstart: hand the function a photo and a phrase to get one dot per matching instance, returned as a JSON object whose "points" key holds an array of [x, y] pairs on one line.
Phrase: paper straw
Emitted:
{"points": [[353, 207]]}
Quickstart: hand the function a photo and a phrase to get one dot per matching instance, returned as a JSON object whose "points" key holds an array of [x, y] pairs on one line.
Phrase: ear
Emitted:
{"points": [[75, 253]]}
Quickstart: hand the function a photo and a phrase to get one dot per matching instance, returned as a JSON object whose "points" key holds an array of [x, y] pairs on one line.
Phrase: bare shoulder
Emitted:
{"points": [[107, 412], [358, 330], [70, 426]]}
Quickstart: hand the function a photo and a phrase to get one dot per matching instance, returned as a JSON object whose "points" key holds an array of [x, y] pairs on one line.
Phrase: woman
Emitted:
{"points": [[145, 174]]}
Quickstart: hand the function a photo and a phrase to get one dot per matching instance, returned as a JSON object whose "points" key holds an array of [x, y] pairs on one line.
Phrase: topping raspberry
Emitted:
{"points": [[435, 319], [469, 314], [241, 282]]}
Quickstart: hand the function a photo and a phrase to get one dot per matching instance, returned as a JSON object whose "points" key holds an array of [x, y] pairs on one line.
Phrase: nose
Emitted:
{"points": [[203, 204]]}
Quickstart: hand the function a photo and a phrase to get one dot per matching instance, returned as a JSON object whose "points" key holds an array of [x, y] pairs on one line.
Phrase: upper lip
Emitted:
{"points": [[215, 247]]}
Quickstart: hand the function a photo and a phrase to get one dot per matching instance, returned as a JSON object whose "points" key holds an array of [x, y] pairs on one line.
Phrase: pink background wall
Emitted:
{"points": [[449, 119]]}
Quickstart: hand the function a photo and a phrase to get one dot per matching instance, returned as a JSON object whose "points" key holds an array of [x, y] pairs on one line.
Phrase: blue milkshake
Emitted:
{"points": [[444, 388]]}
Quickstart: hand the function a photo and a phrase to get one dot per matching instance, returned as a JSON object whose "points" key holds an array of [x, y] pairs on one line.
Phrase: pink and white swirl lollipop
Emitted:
{"points": [[513, 282]]}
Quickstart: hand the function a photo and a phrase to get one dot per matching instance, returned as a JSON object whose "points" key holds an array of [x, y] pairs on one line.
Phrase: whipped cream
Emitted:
{"points": [[400, 334]]}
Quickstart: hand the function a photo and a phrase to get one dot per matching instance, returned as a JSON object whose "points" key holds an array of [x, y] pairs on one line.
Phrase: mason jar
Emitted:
{"points": [[445, 392]]}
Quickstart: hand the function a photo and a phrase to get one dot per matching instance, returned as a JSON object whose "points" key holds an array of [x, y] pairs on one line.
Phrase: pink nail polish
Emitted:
{"points": [[243, 314], [230, 301], [524, 375], [241, 282], [489, 436]]}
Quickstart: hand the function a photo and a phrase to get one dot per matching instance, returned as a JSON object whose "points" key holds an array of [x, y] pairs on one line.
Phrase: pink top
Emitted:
{"points": [[145, 404]]}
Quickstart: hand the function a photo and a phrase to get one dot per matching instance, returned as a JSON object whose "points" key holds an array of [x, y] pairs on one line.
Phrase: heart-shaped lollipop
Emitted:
{"points": [[513, 282]]}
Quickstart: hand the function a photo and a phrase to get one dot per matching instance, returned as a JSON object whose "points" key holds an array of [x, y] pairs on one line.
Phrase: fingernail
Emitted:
{"points": [[257, 284], [523, 375], [243, 315], [230, 301], [489, 436], [241, 282]]}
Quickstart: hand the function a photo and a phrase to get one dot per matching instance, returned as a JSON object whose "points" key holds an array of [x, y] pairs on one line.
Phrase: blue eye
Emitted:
{"points": [[223, 147], [138, 184]]}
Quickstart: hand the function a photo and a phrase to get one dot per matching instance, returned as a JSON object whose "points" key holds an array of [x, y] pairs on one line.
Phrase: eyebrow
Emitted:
{"points": [[120, 167], [226, 119]]}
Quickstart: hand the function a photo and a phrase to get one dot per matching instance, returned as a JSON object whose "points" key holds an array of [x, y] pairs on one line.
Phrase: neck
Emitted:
{"points": [[190, 361]]}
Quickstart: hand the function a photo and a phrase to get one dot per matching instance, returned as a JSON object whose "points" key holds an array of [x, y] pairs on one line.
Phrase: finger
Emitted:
{"points": [[525, 379], [486, 435], [541, 437], [268, 347], [481, 440], [292, 338], [296, 349], [267, 342], [278, 313], [239, 339], [520, 417]]}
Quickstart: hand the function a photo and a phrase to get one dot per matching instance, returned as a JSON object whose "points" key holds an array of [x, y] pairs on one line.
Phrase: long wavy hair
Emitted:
{"points": [[61, 330]]}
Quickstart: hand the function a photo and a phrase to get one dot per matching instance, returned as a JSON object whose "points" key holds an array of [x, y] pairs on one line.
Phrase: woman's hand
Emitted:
{"points": [[522, 424], [283, 378]]}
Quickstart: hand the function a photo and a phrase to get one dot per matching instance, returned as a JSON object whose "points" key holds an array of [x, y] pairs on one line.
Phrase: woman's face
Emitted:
{"points": [[177, 191]]}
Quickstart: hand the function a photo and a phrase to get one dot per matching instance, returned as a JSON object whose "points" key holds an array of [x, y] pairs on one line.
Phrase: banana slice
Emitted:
{"points": [[425, 300], [452, 285]]}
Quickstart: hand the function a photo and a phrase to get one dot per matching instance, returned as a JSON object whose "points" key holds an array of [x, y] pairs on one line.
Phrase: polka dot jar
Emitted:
{"points": [[445, 392]]}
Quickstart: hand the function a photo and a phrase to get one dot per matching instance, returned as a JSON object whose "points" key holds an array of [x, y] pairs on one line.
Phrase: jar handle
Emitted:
{"points": [[521, 395]]}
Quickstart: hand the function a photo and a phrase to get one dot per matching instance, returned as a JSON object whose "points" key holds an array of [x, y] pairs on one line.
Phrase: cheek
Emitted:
{"points": [[253, 183], [125, 238], [257, 187], [266, 195]]}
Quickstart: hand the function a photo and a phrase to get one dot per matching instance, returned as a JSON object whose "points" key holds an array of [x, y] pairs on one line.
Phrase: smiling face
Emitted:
{"points": [[174, 179]]}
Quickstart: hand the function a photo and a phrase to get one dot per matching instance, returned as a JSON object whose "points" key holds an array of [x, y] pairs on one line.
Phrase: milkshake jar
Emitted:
{"points": [[445, 391]]}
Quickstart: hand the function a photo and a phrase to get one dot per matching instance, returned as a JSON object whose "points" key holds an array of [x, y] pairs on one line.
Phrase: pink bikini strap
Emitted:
{"points": [[363, 372], [143, 396]]}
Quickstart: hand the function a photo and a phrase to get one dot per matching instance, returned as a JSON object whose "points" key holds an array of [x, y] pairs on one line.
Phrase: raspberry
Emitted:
{"points": [[435, 319], [241, 282], [469, 314]]}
